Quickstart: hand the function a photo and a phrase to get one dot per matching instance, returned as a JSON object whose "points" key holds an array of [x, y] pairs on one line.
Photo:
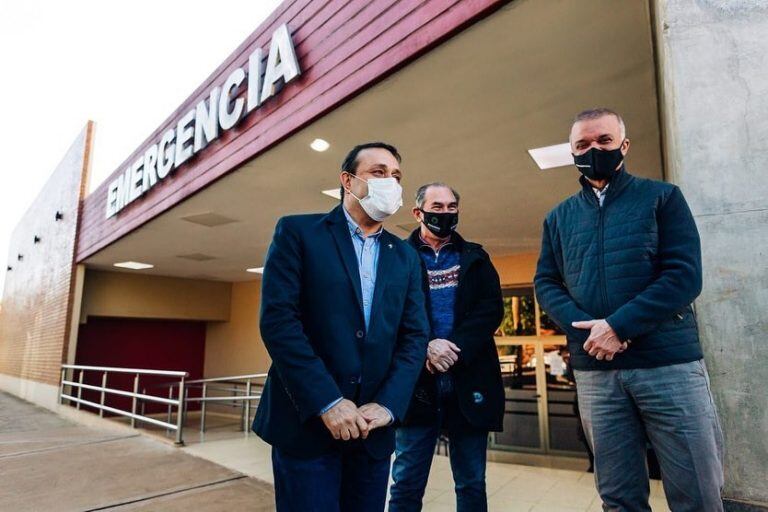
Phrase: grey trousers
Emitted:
{"points": [[671, 407]]}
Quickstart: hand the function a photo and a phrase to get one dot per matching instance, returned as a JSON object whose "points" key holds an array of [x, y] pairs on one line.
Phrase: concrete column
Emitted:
{"points": [[713, 80]]}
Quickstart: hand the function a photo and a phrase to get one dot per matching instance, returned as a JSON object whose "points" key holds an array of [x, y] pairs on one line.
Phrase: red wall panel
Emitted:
{"points": [[139, 343]]}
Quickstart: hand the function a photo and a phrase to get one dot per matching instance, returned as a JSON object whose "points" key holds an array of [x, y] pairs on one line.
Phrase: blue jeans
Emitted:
{"points": [[670, 406], [347, 480], [414, 449]]}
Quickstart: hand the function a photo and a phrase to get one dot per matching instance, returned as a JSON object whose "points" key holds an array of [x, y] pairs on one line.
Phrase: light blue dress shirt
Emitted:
{"points": [[367, 253], [601, 194]]}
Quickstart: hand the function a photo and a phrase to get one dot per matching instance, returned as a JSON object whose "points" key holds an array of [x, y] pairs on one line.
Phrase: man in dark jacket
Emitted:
{"points": [[619, 268], [460, 389], [343, 318]]}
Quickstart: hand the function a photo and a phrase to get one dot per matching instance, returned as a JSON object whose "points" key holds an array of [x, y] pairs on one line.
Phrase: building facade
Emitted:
{"points": [[465, 89]]}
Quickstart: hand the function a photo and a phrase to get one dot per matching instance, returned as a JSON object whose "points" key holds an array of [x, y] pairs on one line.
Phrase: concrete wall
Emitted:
{"points": [[38, 298], [120, 294], [713, 69], [235, 347]]}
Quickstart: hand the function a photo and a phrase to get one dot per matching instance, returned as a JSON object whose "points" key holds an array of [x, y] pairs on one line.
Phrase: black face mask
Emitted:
{"points": [[599, 164], [441, 224]]}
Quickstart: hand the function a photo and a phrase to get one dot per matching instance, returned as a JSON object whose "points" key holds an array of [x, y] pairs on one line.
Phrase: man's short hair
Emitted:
{"points": [[421, 194], [597, 113], [350, 161]]}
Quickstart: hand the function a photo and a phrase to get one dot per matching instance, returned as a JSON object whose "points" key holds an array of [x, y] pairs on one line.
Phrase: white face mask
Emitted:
{"points": [[385, 197]]}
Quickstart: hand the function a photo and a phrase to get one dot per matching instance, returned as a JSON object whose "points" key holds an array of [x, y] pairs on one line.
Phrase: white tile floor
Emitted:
{"points": [[511, 487]]}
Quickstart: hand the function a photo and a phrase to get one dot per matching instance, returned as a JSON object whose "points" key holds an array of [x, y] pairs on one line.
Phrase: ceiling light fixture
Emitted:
{"points": [[550, 157], [133, 265], [319, 145], [255, 270]]}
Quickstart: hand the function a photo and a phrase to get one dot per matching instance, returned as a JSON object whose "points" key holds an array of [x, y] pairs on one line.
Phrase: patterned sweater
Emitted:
{"points": [[443, 275]]}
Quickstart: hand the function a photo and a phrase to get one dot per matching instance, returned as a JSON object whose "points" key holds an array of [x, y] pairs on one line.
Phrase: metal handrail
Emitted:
{"points": [[178, 402], [115, 369], [245, 399], [223, 398], [140, 396], [230, 378], [215, 388]]}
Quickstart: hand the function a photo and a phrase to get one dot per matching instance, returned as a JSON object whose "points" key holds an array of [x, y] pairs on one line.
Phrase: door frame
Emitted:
{"points": [[542, 408]]}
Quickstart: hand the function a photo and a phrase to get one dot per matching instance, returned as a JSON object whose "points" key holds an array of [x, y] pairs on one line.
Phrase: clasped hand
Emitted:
{"points": [[441, 355], [346, 421], [603, 343]]}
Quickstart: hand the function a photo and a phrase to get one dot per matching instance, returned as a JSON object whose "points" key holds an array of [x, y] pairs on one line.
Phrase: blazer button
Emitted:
{"points": [[360, 334]]}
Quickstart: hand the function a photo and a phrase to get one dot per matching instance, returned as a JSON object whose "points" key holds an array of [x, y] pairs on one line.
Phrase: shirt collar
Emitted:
{"points": [[354, 228], [444, 245], [599, 192]]}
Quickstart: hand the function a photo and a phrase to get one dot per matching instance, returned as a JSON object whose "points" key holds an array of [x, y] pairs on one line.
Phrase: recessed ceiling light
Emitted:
{"points": [[549, 157], [133, 265], [319, 145], [333, 192], [255, 270]]}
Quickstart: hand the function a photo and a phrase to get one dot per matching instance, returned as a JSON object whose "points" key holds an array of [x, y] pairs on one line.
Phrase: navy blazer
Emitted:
{"points": [[313, 327]]}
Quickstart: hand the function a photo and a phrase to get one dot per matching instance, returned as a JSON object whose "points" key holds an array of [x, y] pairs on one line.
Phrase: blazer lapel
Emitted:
{"points": [[386, 257], [340, 231]]}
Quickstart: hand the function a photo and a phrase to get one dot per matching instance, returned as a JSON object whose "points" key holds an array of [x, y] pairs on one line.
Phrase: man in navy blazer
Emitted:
{"points": [[343, 319]]}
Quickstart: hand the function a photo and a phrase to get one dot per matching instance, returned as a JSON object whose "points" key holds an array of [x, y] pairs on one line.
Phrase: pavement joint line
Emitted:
{"points": [[168, 493], [37, 440], [62, 447]]}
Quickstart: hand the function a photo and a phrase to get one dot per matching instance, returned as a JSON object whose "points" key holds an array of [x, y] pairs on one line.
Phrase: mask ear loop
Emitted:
{"points": [[350, 189], [623, 157], [423, 216]]}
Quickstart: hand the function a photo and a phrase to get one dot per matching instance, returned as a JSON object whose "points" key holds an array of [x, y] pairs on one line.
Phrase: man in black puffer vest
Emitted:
{"points": [[619, 268]]}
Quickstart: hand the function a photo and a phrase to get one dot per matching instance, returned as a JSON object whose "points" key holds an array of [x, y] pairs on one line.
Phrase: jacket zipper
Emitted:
{"points": [[601, 249]]}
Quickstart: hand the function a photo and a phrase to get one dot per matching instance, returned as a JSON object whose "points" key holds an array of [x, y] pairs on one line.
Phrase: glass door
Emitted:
{"points": [[541, 412]]}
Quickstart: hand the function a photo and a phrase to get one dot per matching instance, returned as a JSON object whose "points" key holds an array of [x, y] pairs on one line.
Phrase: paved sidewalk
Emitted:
{"points": [[510, 487], [50, 463]]}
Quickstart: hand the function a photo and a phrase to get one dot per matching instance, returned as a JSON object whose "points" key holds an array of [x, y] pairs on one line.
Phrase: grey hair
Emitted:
{"points": [[597, 113], [422, 192]]}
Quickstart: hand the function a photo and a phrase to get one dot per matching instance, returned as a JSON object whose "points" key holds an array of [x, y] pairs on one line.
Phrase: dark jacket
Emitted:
{"points": [[313, 326], [477, 375], [635, 261]]}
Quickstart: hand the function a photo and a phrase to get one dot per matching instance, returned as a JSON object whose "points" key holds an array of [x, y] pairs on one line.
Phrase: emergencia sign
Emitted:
{"points": [[221, 111]]}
